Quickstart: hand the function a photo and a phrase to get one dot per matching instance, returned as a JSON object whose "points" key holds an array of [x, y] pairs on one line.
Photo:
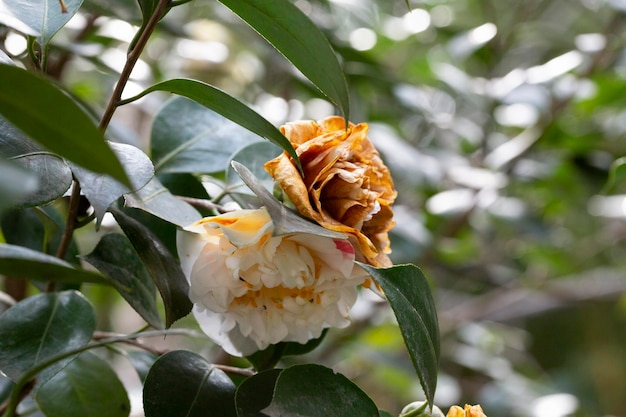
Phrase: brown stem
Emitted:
{"points": [[133, 56]]}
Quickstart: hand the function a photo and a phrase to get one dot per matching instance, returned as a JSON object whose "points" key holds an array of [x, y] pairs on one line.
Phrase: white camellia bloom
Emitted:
{"points": [[251, 289]]}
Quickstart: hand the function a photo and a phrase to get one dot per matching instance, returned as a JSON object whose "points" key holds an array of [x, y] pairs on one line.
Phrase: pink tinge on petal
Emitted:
{"points": [[345, 247]]}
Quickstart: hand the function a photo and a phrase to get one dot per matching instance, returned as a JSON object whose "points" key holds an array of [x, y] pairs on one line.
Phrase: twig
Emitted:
{"points": [[133, 57], [205, 204]]}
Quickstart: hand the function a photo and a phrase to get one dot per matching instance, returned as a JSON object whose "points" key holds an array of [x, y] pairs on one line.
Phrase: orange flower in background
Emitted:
{"points": [[346, 186], [467, 411]]}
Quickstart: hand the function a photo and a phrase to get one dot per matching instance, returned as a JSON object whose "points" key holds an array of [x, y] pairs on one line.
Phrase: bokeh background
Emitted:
{"points": [[503, 122]]}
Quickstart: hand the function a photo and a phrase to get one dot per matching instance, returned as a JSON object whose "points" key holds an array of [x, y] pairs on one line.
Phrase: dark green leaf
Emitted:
{"points": [[142, 361], [158, 201], [55, 178], [285, 220], [253, 157], [43, 18], [255, 393], [188, 137], [147, 8], [39, 228], [54, 120], [162, 266], [87, 387], [43, 326], [181, 383], [226, 105], [184, 185], [316, 391], [295, 36], [103, 190], [16, 185], [269, 357], [115, 257], [19, 262], [383, 413], [53, 175], [6, 385], [409, 295]]}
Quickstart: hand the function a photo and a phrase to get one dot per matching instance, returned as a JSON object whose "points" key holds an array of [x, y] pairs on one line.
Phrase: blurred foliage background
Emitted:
{"points": [[503, 123]]}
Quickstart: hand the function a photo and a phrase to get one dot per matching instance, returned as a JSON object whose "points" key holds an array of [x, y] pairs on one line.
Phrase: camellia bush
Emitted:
{"points": [[266, 236]]}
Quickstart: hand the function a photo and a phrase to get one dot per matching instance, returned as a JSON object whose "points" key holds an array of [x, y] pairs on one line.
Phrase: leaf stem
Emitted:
{"points": [[133, 57], [24, 382]]}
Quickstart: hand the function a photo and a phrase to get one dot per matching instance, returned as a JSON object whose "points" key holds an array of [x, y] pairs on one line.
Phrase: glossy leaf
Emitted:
{"points": [[41, 327], [295, 36], [226, 105], [102, 190], [255, 393], [158, 201], [189, 137], [409, 295], [285, 220], [270, 356], [142, 361], [16, 185], [317, 391], [39, 228], [116, 258], [19, 262], [43, 18], [181, 383], [52, 119], [161, 265], [53, 175], [87, 387], [253, 157]]}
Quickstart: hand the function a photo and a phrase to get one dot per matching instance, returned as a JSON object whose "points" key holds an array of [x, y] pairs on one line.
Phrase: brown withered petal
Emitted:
{"points": [[346, 186]]}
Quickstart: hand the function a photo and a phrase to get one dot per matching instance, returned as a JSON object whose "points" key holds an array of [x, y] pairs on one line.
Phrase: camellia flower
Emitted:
{"points": [[346, 186], [251, 289], [467, 411]]}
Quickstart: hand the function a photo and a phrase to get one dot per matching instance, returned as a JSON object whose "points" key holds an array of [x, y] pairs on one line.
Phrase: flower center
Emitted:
{"points": [[273, 297]]}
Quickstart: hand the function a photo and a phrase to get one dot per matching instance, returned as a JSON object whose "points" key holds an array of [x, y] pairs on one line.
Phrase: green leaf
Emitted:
{"points": [[54, 120], [53, 175], [158, 201], [285, 220], [142, 361], [269, 357], [316, 391], [43, 326], [115, 257], [162, 267], [188, 137], [16, 185], [255, 393], [19, 262], [40, 229], [42, 18], [102, 190], [181, 383], [295, 36], [226, 105], [253, 157], [87, 387], [409, 295], [617, 175]]}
